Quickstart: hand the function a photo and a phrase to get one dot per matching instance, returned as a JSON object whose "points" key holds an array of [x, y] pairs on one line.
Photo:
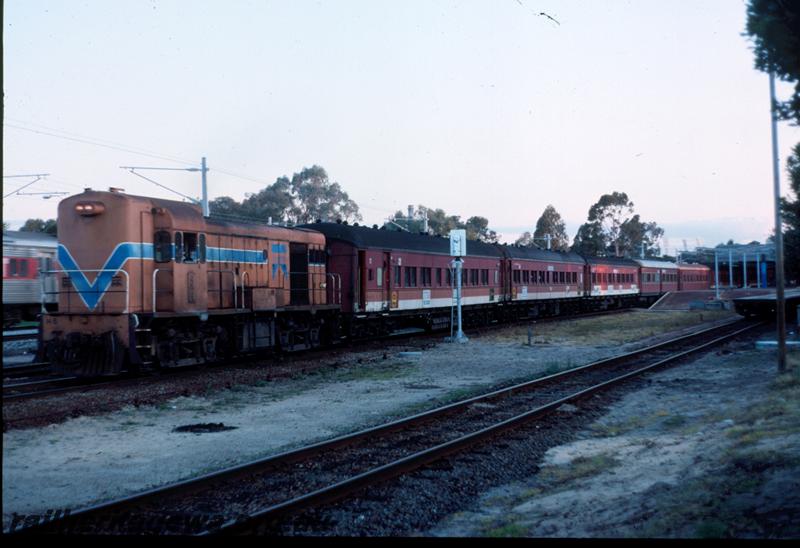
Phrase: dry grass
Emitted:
{"points": [[616, 329]]}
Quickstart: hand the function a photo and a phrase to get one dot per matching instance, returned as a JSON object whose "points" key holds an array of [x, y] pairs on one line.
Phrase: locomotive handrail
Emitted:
{"points": [[155, 291], [335, 292], [235, 288], [245, 276], [43, 275]]}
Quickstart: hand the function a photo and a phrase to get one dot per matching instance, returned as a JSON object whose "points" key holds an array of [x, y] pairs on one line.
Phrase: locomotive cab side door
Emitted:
{"points": [[190, 281]]}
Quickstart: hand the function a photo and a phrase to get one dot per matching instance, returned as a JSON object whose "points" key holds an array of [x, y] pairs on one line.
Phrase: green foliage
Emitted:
{"points": [[306, 197], [441, 224], [551, 223], [613, 229], [38, 225], [774, 28], [790, 210]]}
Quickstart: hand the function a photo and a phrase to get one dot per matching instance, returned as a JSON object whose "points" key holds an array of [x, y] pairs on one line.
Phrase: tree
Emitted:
{"points": [[441, 224], [790, 211], [613, 229], [308, 196], [525, 240], [478, 229], [551, 223], [38, 225], [634, 233], [589, 240], [774, 28], [315, 197]]}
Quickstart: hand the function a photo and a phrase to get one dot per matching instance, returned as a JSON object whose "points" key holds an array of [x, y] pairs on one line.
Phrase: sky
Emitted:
{"points": [[477, 107]]}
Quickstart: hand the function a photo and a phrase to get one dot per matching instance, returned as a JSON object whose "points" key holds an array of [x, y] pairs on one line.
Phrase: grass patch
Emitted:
{"points": [[624, 328], [578, 468], [740, 496], [508, 530], [376, 372]]}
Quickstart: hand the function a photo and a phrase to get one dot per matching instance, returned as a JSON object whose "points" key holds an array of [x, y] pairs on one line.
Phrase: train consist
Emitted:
{"points": [[145, 282], [25, 255]]}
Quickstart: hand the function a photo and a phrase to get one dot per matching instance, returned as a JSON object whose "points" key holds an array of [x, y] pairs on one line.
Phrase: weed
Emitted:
{"points": [[508, 530]]}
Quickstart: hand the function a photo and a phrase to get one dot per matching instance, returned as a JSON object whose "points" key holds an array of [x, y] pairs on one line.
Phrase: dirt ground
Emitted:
{"points": [[708, 449], [91, 459]]}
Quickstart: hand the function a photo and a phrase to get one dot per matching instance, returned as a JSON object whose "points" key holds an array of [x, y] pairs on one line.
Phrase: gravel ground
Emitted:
{"points": [[710, 449], [92, 458]]}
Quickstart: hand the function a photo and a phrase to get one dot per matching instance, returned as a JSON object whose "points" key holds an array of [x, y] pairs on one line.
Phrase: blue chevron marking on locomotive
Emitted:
{"points": [[91, 292], [279, 250]]}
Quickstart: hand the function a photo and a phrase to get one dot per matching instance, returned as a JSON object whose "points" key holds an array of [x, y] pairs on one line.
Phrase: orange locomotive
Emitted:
{"points": [[145, 280]]}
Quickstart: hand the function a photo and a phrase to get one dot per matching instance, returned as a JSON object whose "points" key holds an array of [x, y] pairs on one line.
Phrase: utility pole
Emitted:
{"points": [[203, 202], [458, 249], [779, 295]]}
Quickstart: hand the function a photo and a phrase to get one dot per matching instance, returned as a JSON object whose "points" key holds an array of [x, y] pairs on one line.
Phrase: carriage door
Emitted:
{"points": [[383, 277], [361, 282], [298, 274]]}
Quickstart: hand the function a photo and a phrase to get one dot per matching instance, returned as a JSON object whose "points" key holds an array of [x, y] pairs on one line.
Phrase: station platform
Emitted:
{"points": [[764, 305]]}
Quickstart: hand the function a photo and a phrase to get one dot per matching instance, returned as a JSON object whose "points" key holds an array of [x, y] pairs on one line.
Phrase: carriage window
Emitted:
{"points": [[23, 268], [397, 279], [411, 276], [380, 276], [12, 267], [449, 277], [439, 277], [485, 276], [163, 247], [369, 274], [426, 276]]}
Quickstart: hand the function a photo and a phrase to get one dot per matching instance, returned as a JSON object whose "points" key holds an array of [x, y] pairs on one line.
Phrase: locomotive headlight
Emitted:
{"points": [[88, 209]]}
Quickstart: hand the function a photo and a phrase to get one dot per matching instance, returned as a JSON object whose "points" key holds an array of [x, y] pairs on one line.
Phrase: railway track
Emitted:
{"points": [[251, 497], [63, 384]]}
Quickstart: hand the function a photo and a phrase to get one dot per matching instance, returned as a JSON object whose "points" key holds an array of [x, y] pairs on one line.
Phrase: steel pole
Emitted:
{"points": [[460, 333], [779, 295], [758, 270], [716, 273], [730, 268], [204, 169], [744, 270]]}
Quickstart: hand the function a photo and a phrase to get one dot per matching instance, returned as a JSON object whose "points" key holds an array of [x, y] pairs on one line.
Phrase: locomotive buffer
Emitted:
{"points": [[458, 249]]}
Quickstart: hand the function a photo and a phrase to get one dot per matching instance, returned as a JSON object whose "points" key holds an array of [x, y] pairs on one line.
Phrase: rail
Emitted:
{"points": [[102, 292]]}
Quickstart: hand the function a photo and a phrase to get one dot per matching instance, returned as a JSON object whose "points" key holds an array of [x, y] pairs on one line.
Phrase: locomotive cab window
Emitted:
{"points": [[162, 251], [191, 249], [179, 247], [202, 248]]}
